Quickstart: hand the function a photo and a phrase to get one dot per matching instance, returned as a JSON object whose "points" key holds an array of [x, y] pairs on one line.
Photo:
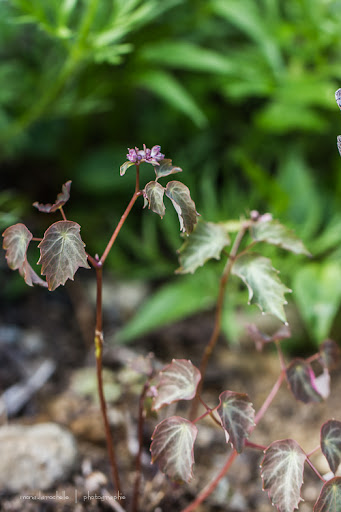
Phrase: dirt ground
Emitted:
{"points": [[58, 326]]}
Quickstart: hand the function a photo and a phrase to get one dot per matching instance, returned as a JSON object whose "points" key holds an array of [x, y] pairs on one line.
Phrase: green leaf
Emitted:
{"points": [[172, 447], [125, 166], [331, 443], [275, 233], [169, 89], [301, 380], [185, 55], [165, 168], [265, 288], [61, 253], [62, 198], [184, 205], [237, 417], [318, 295], [282, 474], [177, 381], [330, 496], [171, 303], [154, 192], [207, 241], [16, 241]]}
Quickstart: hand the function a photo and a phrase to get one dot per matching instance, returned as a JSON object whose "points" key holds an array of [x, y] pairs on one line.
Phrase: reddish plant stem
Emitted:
{"points": [[62, 212], [269, 398], [217, 323], [99, 354], [136, 194], [210, 488], [314, 469], [136, 491], [316, 449], [255, 446]]}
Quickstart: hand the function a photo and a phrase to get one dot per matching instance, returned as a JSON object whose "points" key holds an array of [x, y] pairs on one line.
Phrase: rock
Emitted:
{"points": [[35, 457]]}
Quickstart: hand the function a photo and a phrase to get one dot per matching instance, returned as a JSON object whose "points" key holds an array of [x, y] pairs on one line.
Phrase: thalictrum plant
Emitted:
{"points": [[62, 252]]}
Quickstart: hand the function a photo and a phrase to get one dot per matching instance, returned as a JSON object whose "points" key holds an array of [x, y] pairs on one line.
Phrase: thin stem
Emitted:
{"points": [[316, 449], [314, 469], [269, 398], [99, 354], [62, 212], [136, 491], [210, 488], [255, 446], [36, 239], [218, 315], [136, 194]]}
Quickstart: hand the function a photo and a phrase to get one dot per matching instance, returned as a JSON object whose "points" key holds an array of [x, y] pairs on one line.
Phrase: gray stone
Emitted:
{"points": [[35, 457]]}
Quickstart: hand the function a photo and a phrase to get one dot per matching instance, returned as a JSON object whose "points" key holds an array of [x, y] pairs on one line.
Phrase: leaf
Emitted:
{"points": [[301, 380], [154, 192], [172, 447], [167, 87], [322, 384], [125, 166], [237, 417], [339, 143], [30, 276], [165, 168], [331, 443], [61, 253], [275, 233], [265, 288], [16, 242], [330, 354], [282, 474], [330, 496], [180, 196], [207, 241], [260, 338], [177, 381], [62, 198]]}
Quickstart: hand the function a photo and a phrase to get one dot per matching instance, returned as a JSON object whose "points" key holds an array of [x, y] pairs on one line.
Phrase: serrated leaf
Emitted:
{"points": [[172, 447], [154, 192], [177, 381], [330, 496], [275, 233], [265, 288], [331, 443], [16, 242], [165, 168], [62, 198], [61, 253], [237, 417], [184, 206], [301, 380], [282, 474], [207, 241], [330, 354], [125, 166]]}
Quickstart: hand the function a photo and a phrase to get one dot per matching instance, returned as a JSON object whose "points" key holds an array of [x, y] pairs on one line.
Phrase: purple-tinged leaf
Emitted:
{"points": [[184, 206], [330, 354], [62, 198], [165, 168], [177, 381], [30, 276], [301, 380], [338, 98], [16, 242], [61, 253], [322, 384], [207, 241], [125, 166], [237, 417], [260, 338], [265, 288], [275, 233], [154, 192], [330, 496], [331, 443], [282, 474], [339, 143], [172, 447]]}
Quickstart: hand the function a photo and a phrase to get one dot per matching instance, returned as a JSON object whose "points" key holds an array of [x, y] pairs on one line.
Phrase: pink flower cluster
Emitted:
{"points": [[152, 156]]}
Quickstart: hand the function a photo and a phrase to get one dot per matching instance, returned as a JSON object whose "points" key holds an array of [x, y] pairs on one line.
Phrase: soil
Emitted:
{"points": [[58, 326]]}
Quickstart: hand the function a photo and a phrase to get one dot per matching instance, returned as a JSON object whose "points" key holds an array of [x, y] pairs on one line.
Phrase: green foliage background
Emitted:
{"points": [[239, 93]]}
